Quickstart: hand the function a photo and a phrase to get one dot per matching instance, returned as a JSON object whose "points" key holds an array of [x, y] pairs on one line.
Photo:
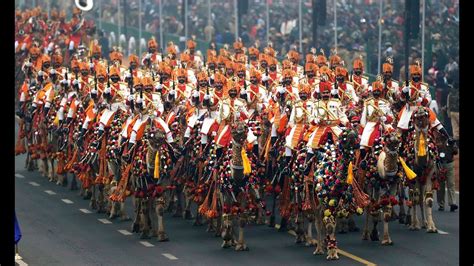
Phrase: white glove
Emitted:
{"points": [[383, 119], [195, 94], [71, 45], [405, 89], [40, 73], [52, 71], [281, 89], [130, 98], [317, 89], [139, 100], [50, 46], [207, 97], [159, 87], [91, 65], [16, 45], [265, 78], [94, 91], [28, 64], [333, 91], [128, 75], [64, 81], [370, 88], [172, 92], [316, 120], [107, 90], [75, 82], [212, 76], [243, 92], [419, 100], [23, 47]]}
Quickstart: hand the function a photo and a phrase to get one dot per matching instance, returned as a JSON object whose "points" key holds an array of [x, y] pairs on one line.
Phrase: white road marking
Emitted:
{"points": [[19, 260], [34, 184], [124, 232], [104, 221], [85, 211], [169, 256], [50, 192], [19, 176], [67, 201], [147, 244], [442, 232]]}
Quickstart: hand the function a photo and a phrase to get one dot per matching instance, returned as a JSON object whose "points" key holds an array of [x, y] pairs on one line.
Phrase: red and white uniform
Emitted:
{"points": [[372, 119]]}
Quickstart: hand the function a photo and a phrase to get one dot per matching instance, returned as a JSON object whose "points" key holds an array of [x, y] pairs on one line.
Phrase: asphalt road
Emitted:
{"points": [[59, 228]]}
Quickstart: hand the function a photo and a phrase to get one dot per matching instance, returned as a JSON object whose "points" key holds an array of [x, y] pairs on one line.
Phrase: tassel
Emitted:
{"points": [[20, 147], [68, 166], [421, 145], [246, 163], [60, 165], [360, 198], [156, 173], [56, 120], [267, 148], [409, 173], [350, 174]]}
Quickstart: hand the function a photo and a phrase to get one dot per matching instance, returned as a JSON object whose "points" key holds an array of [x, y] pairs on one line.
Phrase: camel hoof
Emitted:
{"points": [[226, 244], [374, 236], [354, 229], [241, 247], [387, 243], [210, 230], [163, 237], [144, 235], [260, 221], [311, 243], [187, 215], [113, 216], [432, 230], [365, 236], [318, 251], [135, 228], [125, 218]]}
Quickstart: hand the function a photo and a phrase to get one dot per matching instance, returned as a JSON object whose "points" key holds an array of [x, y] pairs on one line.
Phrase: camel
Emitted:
{"points": [[421, 189], [384, 196]]}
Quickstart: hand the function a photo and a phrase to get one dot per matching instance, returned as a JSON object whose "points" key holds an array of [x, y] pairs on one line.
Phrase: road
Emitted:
{"points": [[59, 228]]}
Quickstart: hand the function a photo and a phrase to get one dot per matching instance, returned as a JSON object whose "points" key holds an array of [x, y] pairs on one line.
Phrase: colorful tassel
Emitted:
{"points": [[246, 163], [421, 145], [410, 174], [350, 174], [156, 173]]}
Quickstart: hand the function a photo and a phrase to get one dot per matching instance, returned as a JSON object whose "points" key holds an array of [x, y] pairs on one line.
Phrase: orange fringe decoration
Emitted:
{"points": [[308, 203], [20, 147], [69, 164], [61, 162], [360, 198], [120, 193], [212, 213], [204, 207], [285, 206], [102, 176]]}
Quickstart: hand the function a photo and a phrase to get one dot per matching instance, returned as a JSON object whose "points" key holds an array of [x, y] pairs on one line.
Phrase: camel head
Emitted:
{"points": [[421, 118], [392, 141], [239, 132], [156, 137]]}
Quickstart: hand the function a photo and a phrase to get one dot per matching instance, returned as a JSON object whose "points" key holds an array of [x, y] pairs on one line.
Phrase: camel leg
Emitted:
{"points": [[431, 228], [271, 221], [300, 237], [144, 213], [351, 224], [365, 234], [160, 210], [414, 219], [330, 224], [73, 182], [227, 232], [136, 220], [177, 199], [241, 246], [319, 231], [123, 214], [101, 199], [187, 208], [93, 202], [401, 205], [374, 235], [386, 218], [310, 241], [421, 203]]}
